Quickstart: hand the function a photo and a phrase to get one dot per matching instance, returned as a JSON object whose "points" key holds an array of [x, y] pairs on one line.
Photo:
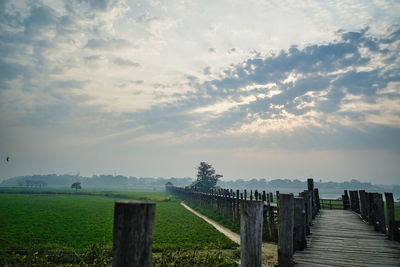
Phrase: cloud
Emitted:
{"points": [[312, 84], [126, 63], [108, 44]]}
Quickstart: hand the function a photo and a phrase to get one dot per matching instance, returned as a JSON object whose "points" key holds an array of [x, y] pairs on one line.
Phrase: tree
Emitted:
{"points": [[76, 186], [206, 177]]}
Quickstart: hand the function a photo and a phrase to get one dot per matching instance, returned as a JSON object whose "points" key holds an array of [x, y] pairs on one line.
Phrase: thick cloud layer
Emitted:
{"points": [[154, 77]]}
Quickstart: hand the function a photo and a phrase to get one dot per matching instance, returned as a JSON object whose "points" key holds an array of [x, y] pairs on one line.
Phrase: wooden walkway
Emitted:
{"points": [[341, 238]]}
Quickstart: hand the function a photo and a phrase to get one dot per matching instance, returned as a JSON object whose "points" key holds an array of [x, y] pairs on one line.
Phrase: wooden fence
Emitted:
{"points": [[227, 203], [286, 221]]}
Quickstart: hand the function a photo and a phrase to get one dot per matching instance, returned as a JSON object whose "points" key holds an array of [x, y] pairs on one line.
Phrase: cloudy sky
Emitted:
{"points": [[259, 89]]}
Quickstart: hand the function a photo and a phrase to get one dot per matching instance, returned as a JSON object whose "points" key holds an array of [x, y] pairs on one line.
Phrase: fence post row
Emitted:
{"points": [[133, 233]]}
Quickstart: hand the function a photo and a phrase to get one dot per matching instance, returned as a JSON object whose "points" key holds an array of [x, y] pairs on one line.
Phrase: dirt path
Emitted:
{"points": [[228, 233], [269, 250]]}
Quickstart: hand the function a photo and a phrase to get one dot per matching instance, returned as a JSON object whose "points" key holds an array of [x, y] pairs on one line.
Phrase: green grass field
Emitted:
{"points": [[47, 221]]}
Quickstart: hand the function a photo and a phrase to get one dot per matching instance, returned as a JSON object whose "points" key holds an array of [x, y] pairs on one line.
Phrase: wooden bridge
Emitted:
{"points": [[358, 230], [341, 238]]}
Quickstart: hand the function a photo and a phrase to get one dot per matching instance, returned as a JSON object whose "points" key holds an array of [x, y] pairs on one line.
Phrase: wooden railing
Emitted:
{"points": [[327, 203]]}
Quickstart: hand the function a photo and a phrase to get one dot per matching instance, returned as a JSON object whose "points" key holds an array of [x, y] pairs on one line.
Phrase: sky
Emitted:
{"points": [[259, 89]]}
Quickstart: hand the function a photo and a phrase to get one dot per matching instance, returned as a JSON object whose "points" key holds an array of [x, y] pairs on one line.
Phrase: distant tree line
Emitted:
{"points": [[119, 181], [96, 181], [32, 183]]}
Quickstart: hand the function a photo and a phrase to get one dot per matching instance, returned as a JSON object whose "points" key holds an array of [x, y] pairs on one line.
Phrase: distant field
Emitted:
{"points": [[46, 221]]}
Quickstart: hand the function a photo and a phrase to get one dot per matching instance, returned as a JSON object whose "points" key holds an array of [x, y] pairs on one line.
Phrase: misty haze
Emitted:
{"points": [[199, 133]]}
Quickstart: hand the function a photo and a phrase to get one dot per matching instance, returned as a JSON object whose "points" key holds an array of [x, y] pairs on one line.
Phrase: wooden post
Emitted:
{"points": [[299, 228], [378, 213], [345, 200], [363, 206], [285, 230], [271, 197], [390, 215], [133, 233], [316, 195], [277, 202], [251, 233], [371, 214], [307, 200], [245, 194], [237, 204], [310, 183], [265, 213], [351, 193], [356, 202]]}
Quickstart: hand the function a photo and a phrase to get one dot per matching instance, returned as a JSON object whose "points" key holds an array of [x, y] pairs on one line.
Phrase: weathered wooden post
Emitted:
{"points": [[356, 202], [133, 233], [265, 212], [345, 200], [390, 215], [310, 184], [371, 214], [316, 195], [251, 233], [378, 213], [307, 198], [363, 204], [237, 203], [245, 194], [285, 230], [299, 228], [351, 193], [277, 202], [270, 215]]}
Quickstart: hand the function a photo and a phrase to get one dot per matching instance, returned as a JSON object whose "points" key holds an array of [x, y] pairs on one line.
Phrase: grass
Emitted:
{"points": [[48, 221], [397, 211]]}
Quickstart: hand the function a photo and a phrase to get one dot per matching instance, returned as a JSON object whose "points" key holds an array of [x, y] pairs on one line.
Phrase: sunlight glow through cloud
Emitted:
{"points": [[152, 79]]}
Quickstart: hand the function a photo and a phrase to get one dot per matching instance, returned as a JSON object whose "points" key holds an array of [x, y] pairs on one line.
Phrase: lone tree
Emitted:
{"points": [[76, 186], [206, 177]]}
